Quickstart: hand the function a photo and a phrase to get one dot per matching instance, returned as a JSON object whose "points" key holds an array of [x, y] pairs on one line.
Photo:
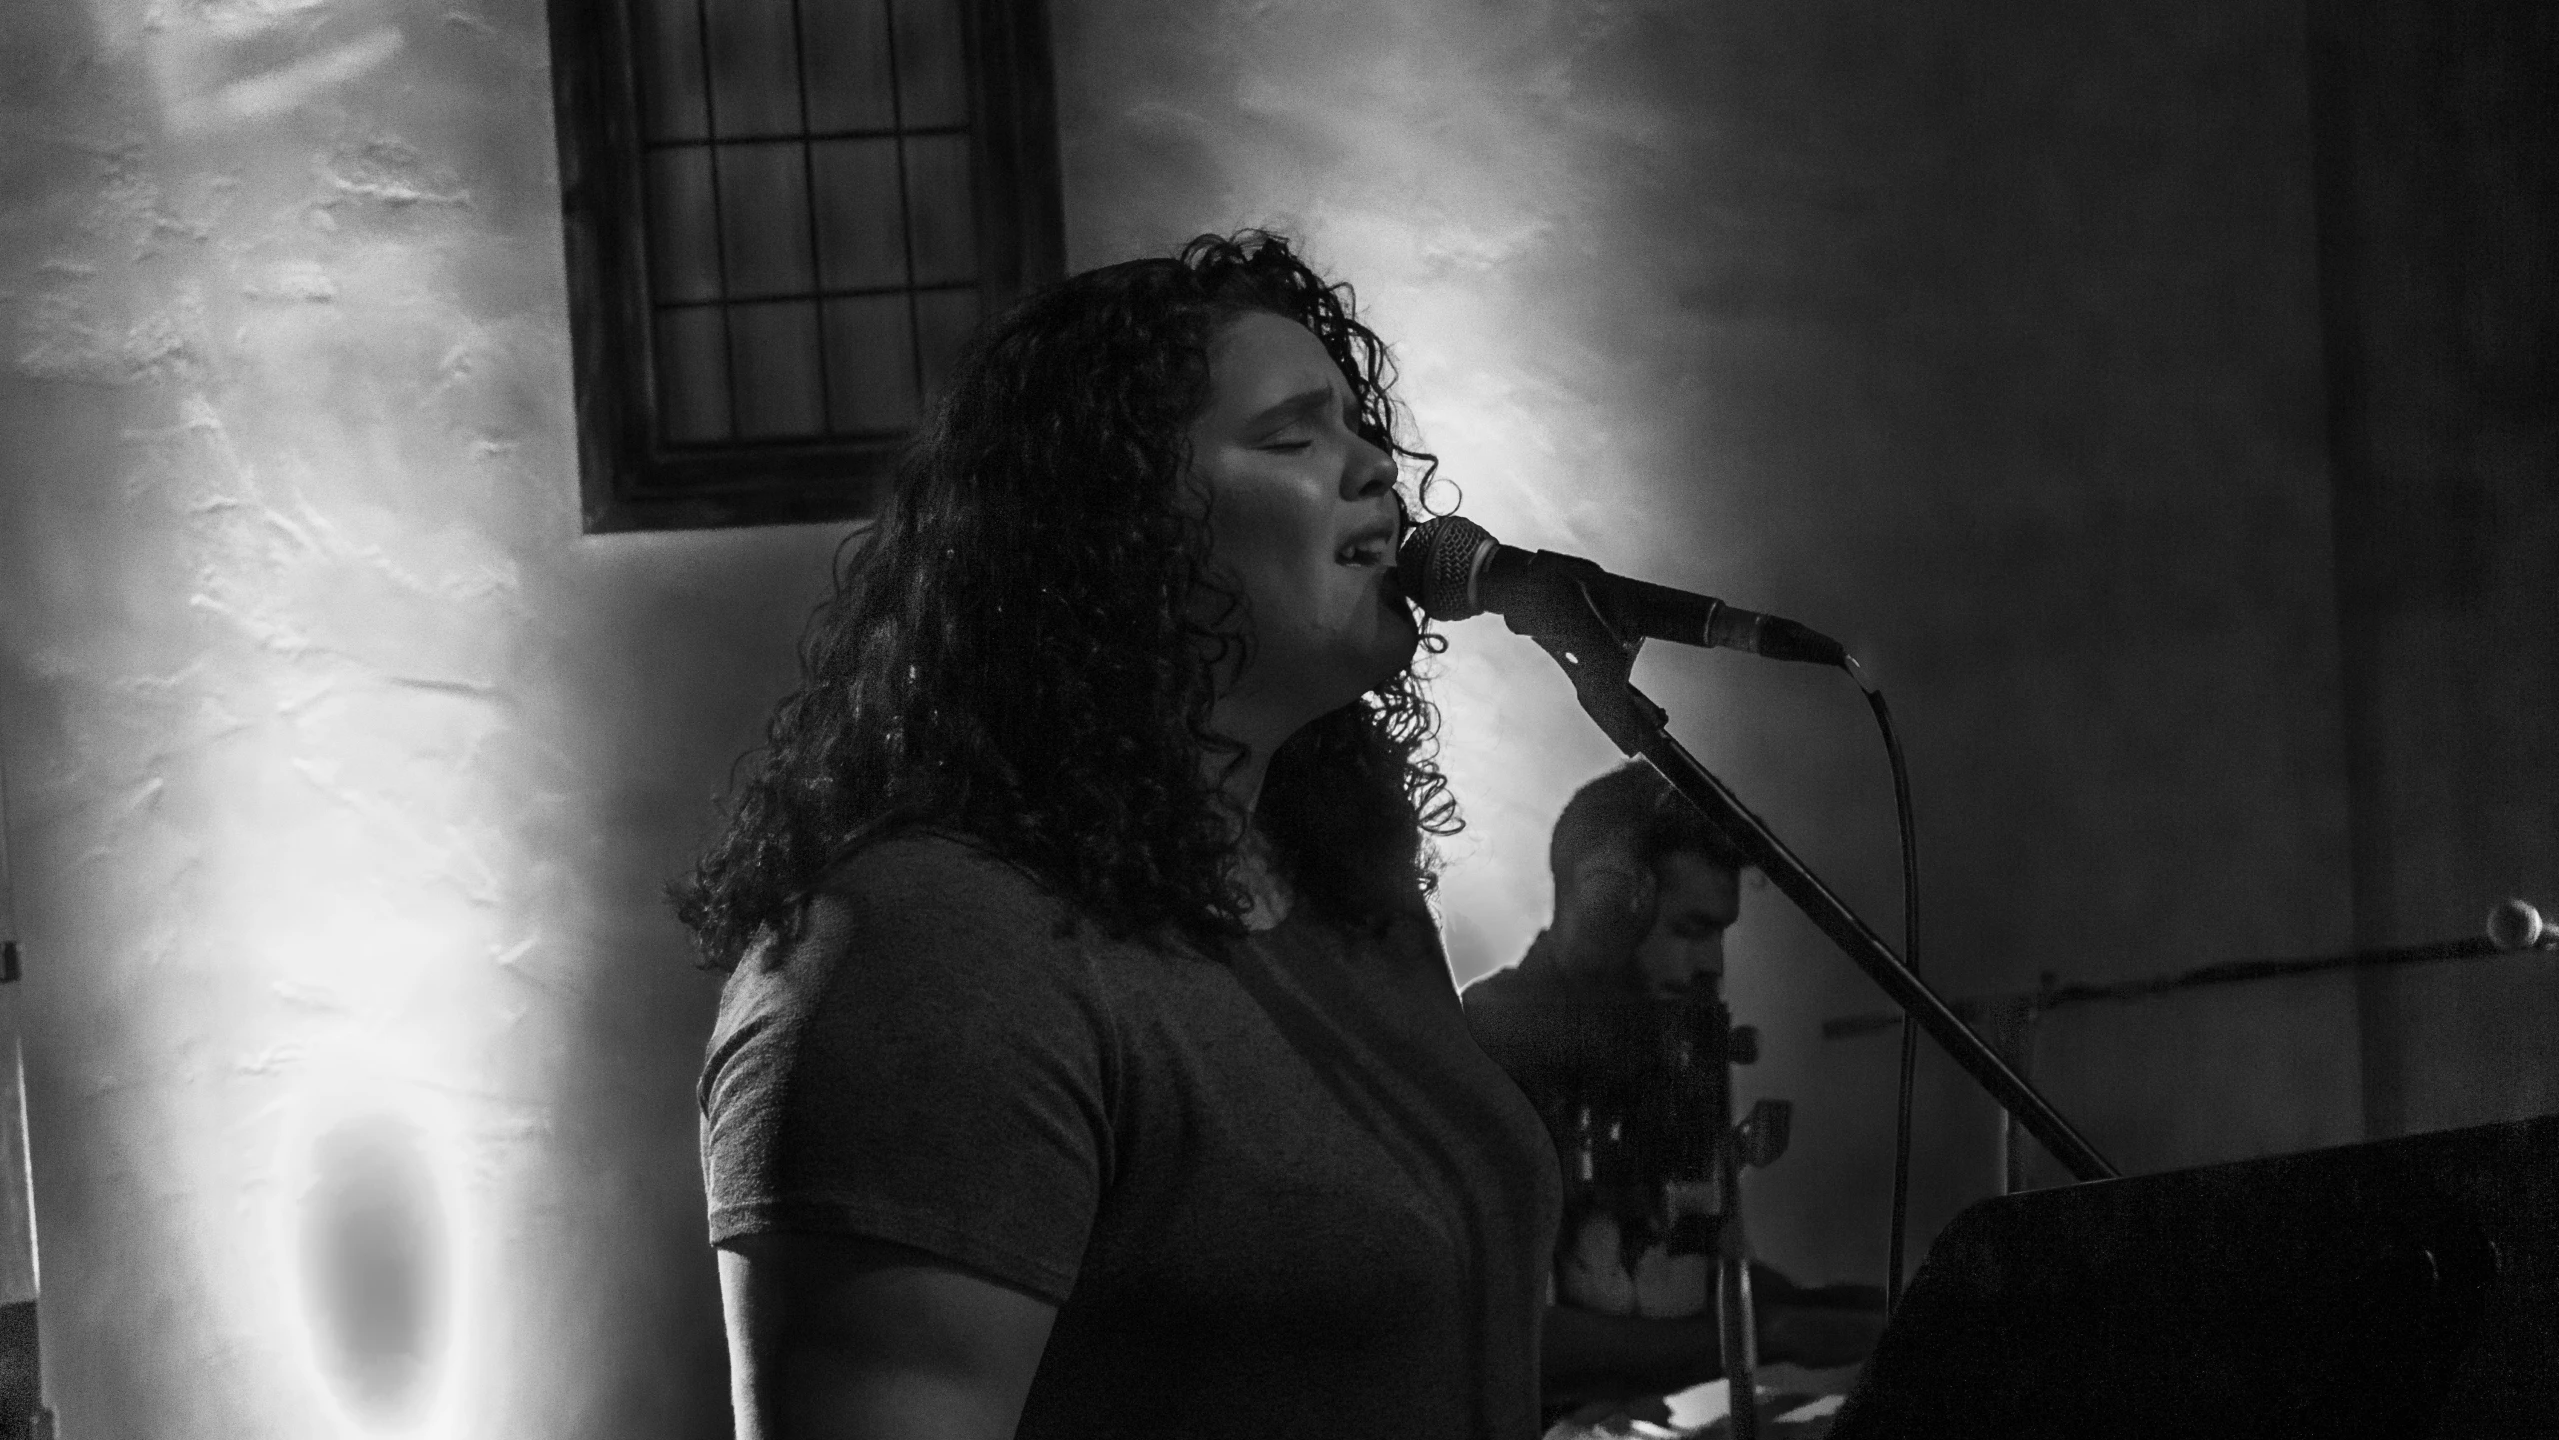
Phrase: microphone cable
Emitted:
{"points": [[1909, 958]]}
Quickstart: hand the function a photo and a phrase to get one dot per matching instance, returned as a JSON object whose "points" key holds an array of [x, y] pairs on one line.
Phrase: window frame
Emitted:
{"points": [[628, 480]]}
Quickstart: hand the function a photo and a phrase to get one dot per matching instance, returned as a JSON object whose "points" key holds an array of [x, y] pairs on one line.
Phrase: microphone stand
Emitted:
{"points": [[1598, 655], [1736, 1317]]}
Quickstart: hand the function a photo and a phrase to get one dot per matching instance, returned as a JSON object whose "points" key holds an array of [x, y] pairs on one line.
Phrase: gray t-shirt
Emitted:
{"points": [[1275, 1193]]}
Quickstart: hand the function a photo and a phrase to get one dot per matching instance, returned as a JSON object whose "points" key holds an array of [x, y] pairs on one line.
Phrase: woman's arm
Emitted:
{"points": [[843, 1339]]}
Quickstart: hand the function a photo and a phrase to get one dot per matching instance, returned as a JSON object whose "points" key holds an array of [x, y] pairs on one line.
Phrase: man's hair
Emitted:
{"points": [[1633, 800], [1021, 654]]}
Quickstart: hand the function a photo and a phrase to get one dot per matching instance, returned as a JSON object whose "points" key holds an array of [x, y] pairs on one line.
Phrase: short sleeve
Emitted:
{"points": [[924, 1063]]}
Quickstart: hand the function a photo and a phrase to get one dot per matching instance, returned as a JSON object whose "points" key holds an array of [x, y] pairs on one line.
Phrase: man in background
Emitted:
{"points": [[1645, 888]]}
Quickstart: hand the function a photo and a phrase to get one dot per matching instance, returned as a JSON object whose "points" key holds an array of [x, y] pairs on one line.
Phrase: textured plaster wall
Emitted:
{"points": [[1983, 336], [344, 770]]}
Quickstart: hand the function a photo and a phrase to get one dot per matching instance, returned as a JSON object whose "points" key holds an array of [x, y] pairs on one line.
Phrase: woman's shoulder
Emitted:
{"points": [[939, 869], [925, 911], [938, 890]]}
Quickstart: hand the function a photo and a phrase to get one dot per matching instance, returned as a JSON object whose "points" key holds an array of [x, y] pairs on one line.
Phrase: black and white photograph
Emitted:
{"points": [[1279, 720]]}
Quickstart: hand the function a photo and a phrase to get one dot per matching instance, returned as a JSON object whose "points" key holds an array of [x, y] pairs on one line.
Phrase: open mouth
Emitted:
{"points": [[1369, 546]]}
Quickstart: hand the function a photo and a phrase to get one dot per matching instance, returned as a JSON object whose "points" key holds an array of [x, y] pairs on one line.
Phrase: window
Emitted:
{"points": [[782, 218]]}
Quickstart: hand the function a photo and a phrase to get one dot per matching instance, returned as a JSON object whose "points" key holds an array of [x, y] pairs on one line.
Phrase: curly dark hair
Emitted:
{"points": [[1018, 655]]}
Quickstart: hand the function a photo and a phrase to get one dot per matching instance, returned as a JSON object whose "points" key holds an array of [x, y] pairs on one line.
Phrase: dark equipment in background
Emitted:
{"points": [[2402, 1288], [1637, 1094], [2397, 1288], [2513, 927]]}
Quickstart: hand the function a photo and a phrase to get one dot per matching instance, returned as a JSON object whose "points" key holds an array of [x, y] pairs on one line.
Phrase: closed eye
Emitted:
{"points": [[1293, 424]]}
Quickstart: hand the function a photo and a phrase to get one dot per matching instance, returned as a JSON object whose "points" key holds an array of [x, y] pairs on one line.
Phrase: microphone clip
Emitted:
{"points": [[1596, 648]]}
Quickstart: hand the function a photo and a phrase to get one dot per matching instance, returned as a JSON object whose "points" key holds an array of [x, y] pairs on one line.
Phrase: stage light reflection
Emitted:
{"points": [[350, 851], [303, 982]]}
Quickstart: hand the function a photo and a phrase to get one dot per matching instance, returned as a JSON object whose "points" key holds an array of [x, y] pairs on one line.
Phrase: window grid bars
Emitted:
{"points": [[841, 292], [719, 234], [920, 132], [905, 208], [724, 301], [808, 179]]}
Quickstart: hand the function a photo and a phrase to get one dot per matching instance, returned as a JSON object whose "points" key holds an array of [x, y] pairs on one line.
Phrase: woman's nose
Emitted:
{"points": [[1370, 471]]}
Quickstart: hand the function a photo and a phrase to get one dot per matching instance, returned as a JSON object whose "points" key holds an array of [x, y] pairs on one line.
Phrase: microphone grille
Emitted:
{"points": [[1436, 566]]}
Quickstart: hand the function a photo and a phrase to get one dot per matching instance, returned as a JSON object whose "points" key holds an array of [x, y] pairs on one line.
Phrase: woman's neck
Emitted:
{"points": [[1251, 861]]}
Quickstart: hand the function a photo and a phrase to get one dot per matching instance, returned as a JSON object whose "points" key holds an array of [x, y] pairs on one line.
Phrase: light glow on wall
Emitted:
{"points": [[345, 894], [345, 770], [286, 817]]}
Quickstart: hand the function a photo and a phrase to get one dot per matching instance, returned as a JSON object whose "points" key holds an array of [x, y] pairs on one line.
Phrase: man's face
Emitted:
{"points": [[1656, 928], [1695, 902]]}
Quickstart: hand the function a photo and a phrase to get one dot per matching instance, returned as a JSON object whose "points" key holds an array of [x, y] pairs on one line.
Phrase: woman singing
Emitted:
{"points": [[1088, 1065]]}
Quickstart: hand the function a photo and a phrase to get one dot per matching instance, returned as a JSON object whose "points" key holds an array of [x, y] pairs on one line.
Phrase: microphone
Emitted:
{"points": [[2515, 925], [1454, 569]]}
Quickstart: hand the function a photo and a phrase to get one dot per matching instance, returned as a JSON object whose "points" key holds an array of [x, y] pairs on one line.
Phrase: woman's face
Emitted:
{"points": [[1303, 523]]}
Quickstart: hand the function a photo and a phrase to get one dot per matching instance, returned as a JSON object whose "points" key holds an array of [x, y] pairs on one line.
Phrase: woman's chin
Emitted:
{"points": [[1349, 665]]}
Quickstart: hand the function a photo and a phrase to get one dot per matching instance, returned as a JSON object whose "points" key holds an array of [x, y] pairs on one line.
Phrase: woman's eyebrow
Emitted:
{"points": [[1295, 407]]}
